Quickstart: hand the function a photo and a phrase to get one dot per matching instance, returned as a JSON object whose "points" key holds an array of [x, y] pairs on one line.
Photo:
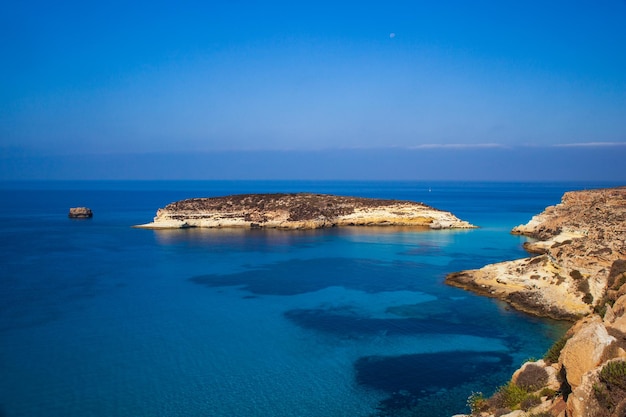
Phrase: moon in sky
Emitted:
{"points": [[392, 35]]}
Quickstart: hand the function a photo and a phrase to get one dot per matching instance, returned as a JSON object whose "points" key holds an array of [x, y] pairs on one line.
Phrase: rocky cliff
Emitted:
{"points": [[583, 375], [576, 243], [579, 271], [300, 211]]}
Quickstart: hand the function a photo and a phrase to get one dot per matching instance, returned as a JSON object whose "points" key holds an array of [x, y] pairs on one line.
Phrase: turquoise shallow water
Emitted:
{"points": [[99, 319]]}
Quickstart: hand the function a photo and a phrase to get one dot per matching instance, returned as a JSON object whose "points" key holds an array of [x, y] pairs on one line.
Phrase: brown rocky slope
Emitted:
{"points": [[577, 243], [300, 211], [580, 272]]}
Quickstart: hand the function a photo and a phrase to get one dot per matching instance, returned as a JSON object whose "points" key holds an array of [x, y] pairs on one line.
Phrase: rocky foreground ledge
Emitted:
{"points": [[578, 243], [579, 270], [300, 211]]}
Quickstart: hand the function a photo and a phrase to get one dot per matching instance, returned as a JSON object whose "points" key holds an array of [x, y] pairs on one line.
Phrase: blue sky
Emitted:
{"points": [[308, 90]]}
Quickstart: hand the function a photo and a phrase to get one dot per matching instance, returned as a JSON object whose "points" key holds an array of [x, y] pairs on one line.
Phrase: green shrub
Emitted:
{"points": [[477, 403], [600, 308], [532, 377], [583, 286], [508, 396], [602, 395], [576, 274], [613, 374], [621, 281], [548, 392], [610, 391], [530, 402], [552, 355]]}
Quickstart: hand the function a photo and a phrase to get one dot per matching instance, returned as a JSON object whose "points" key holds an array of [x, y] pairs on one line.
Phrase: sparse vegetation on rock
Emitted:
{"points": [[582, 257], [610, 390], [529, 402], [532, 378], [613, 374], [552, 355], [508, 396], [300, 211], [582, 243]]}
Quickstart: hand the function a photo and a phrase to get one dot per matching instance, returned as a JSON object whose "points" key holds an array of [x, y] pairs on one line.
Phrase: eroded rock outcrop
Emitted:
{"points": [[585, 350], [300, 211], [580, 268], [585, 376], [579, 242]]}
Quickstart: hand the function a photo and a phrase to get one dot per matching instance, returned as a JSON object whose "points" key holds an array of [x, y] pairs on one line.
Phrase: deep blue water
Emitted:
{"points": [[99, 319]]}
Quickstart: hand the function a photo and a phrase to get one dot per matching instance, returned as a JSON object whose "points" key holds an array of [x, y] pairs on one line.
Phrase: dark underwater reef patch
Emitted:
{"points": [[424, 374], [429, 384], [438, 309], [424, 249], [346, 323], [298, 276]]}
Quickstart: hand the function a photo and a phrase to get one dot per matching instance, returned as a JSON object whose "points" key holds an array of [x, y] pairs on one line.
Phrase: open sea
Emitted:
{"points": [[101, 319]]}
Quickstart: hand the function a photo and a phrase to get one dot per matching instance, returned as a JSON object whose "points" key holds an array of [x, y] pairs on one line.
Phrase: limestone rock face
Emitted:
{"points": [[615, 317], [533, 285], [590, 347], [585, 350], [581, 263], [80, 213], [597, 398], [300, 211], [582, 401], [516, 413], [582, 247]]}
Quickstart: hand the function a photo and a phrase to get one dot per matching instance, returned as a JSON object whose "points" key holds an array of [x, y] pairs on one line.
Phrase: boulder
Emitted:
{"points": [[582, 401], [615, 317], [80, 213], [619, 307], [583, 352], [619, 324]]}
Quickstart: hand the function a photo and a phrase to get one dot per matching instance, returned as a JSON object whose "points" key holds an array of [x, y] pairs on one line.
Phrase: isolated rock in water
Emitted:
{"points": [[80, 213], [300, 211]]}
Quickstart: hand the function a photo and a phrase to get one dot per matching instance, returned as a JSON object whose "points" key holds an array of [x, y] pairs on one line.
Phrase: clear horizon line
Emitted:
{"points": [[424, 146], [589, 144]]}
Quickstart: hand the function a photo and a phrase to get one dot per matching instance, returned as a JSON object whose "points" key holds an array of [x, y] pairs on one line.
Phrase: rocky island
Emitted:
{"points": [[578, 273], [80, 213], [300, 211]]}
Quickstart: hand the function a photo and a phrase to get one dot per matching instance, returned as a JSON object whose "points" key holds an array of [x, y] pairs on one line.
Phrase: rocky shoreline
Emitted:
{"points": [[575, 242], [300, 211], [578, 273]]}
